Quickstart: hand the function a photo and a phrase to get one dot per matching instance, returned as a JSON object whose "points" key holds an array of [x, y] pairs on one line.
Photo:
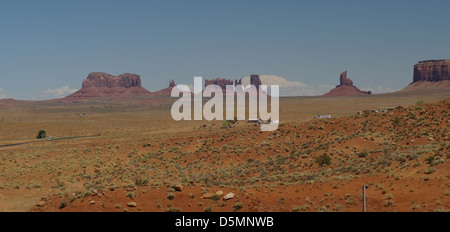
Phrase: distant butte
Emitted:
{"points": [[430, 76], [222, 83], [103, 85], [432, 70], [346, 88]]}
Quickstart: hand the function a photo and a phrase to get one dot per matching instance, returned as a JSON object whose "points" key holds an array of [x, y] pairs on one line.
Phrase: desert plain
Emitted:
{"points": [[109, 156]]}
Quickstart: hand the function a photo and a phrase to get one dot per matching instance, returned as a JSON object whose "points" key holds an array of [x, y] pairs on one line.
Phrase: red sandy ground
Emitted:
{"points": [[281, 173]]}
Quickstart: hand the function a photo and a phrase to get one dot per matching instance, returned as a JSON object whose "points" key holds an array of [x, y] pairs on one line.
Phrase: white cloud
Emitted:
{"points": [[290, 88], [60, 92], [379, 89], [3, 93], [287, 87]]}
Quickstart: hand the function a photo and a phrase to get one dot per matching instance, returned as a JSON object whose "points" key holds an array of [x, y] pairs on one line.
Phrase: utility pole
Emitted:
{"points": [[364, 197]]}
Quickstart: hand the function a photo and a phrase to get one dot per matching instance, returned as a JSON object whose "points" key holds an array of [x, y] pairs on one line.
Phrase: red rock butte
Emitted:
{"points": [[222, 83], [346, 88], [432, 70], [103, 85], [430, 76]]}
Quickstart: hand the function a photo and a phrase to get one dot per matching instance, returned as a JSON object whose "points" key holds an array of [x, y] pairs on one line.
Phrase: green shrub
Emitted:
{"points": [[41, 134], [363, 154], [131, 195], [207, 209], [63, 204], [226, 123], [323, 160], [238, 206], [173, 210]]}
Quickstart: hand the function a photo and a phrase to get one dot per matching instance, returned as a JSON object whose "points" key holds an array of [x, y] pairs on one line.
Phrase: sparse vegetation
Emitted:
{"points": [[170, 196], [318, 159], [41, 134], [238, 206], [323, 160]]}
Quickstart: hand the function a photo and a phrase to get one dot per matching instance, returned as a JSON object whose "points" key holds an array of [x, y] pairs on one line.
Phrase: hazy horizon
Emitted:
{"points": [[49, 47]]}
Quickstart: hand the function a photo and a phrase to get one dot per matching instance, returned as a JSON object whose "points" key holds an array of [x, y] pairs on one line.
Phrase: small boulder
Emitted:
{"points": [[40, 203], [132, 204], [178, 187], [228, 196], [219, 193], [208, 195]]}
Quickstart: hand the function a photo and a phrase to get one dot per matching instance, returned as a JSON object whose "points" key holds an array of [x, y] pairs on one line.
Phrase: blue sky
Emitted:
{"points": [[48, 47]]}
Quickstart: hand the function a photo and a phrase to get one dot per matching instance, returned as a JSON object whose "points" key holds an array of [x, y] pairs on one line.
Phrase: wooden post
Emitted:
{"points": [[364, 197]]}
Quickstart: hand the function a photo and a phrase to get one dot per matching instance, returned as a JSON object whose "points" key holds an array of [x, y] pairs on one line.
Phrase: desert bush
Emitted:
{"points": [[41, 134], [396, 120], [238, 206], [173, 210], [363, 154], [207, 209], [297, 208], [131, 195], [226, 123], [63, 204], [215, 197], [170, 196], [139, 181], [323, 160], [429, 159]]}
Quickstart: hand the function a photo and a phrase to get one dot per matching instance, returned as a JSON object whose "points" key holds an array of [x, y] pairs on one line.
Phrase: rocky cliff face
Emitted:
{"points": [[344, 80], [256, 81], [346, 88], [432, 70], [222, 83], [103, 85], [104, 80]]}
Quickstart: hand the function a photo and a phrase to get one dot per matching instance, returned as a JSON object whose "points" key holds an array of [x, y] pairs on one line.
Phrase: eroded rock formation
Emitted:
{"points": [[344, 80], [103, 85], [255, 80], [432, 70], [430, 76], [222, 83], [346, 88], [104, 80]]}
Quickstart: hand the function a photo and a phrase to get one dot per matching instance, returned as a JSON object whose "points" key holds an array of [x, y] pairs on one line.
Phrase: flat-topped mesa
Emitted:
{"points": [[104, 85], [222, 83], [432, 70], [99, 80]]}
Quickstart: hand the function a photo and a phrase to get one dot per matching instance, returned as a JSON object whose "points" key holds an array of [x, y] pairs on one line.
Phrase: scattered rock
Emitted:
{"points": [[92, 202], [178, 187], [40, 203], [219, 193], [228, 196], [208, 195], [132, 204]]}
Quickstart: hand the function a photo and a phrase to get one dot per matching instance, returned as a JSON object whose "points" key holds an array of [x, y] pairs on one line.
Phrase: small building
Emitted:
{"points": [[322, 116]]}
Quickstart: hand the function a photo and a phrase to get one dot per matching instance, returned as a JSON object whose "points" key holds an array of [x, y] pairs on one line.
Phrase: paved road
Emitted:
{"points": [[43, 140]]}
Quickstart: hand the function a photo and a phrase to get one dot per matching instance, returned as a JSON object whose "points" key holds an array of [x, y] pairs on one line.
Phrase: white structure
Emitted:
{"points": [[322, 116]]}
